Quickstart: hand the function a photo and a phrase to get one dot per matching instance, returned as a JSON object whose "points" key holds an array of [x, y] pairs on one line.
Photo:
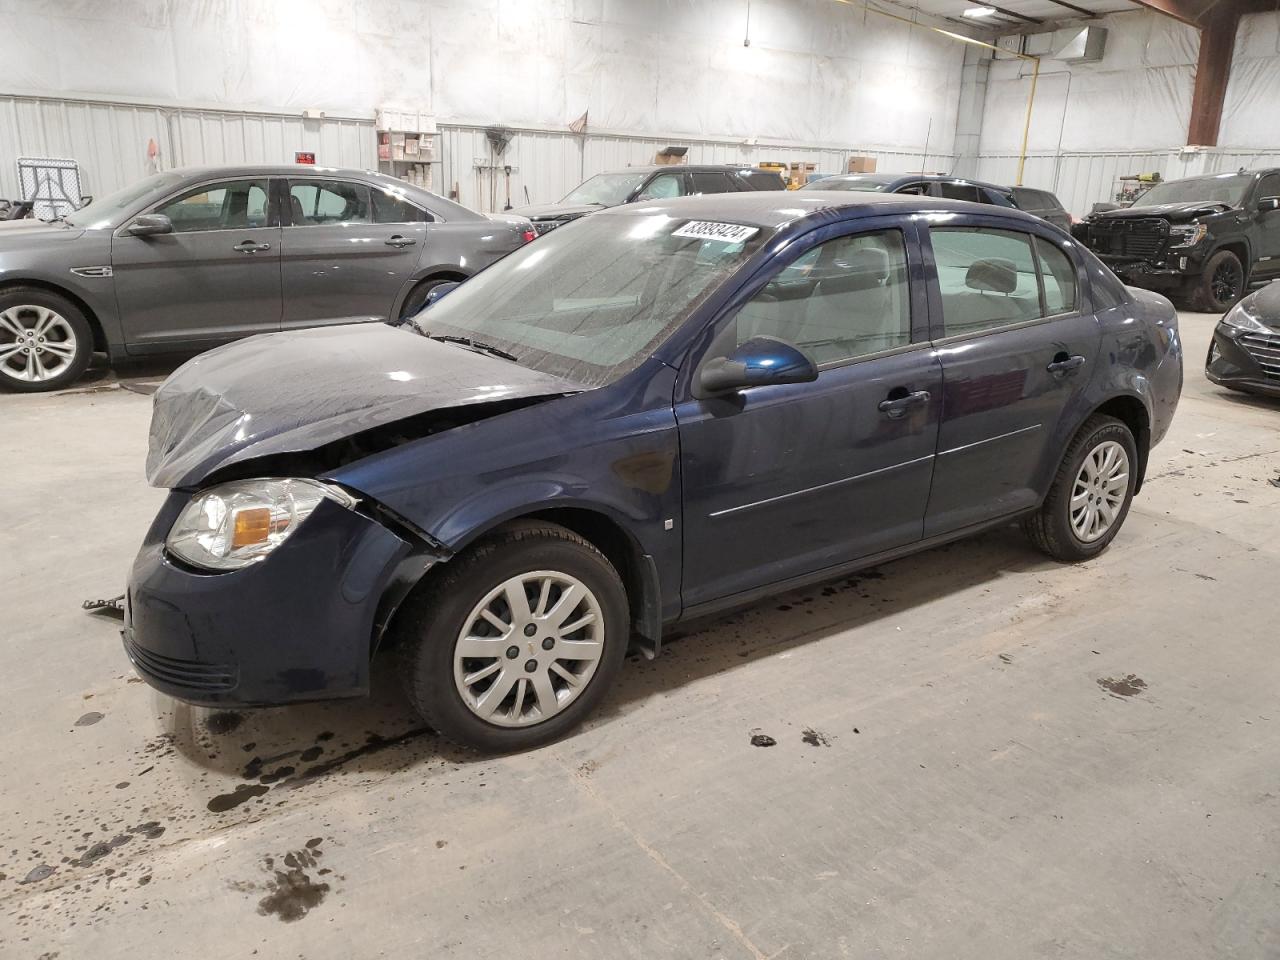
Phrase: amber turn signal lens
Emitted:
{"points": [[252, 526]]}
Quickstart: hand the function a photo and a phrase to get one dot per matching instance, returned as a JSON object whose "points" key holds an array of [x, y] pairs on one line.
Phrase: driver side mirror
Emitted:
{"points": [[761, 361], [150, 224], [1268, 204], [438, 291]]}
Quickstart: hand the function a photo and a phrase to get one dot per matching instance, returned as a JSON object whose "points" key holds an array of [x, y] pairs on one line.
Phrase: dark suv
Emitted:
{"points": [[1201, 240], [1038, 203], [654, 182]]}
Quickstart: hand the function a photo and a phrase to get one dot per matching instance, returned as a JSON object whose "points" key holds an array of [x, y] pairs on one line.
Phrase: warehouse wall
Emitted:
{"points": [[818, 76]]}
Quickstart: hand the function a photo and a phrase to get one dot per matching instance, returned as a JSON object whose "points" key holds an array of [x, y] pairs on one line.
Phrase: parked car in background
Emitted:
{"points": [[1201, 240], [1245, 351], [191, 258], [655, 182], [658, 412], [1040, 203]]}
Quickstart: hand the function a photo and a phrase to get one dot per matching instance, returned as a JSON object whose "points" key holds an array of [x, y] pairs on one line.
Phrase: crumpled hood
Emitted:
{"points": [[554, 211], [296, 391], [1167, 211]]}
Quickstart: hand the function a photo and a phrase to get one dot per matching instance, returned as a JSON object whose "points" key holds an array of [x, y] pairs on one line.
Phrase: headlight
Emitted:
{"points": [[1240, 318], [235, 524], [1187, 234]]}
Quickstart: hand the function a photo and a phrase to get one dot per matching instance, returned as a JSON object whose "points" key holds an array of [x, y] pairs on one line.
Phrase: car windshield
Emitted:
{"points": [[591, 301], [872, 184], [1226, 188], [605, 189], [104, 211]]}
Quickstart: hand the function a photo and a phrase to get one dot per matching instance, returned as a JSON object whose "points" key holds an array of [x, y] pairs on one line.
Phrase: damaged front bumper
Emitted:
{"points": [[298, 625]]}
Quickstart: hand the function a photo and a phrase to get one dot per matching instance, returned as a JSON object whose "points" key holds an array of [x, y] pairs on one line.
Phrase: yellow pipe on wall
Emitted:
{"points": [[1035, 71]]}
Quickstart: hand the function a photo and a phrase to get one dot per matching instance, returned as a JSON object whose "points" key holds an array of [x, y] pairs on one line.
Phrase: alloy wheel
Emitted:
{"points": [[529, 648], [36, 343], [1099, 492], [1226, 281]]}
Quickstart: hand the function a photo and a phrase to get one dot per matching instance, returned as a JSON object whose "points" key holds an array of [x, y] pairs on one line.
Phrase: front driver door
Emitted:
{"points": [[215, 277], [1268, 253], [781, 481], [348, 250]]}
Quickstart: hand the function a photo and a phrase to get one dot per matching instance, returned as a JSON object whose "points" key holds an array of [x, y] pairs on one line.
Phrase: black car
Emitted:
{"points": [[1201, 240], [1245, 351], [654, 182], [659, 412], [1039, 203]]}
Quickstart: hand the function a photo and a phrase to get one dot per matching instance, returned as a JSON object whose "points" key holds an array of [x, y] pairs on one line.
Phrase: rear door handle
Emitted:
{"points": [[399, 241], [895, 407], [1064, 364], [249, 246]]}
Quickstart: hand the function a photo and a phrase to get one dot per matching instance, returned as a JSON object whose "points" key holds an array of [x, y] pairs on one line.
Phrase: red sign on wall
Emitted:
{"points": [[304, 158]]}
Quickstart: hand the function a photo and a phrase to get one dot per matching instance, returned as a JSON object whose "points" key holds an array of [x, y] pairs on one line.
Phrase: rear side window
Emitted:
{"points": [[961, 191], [1059, 276], [320, 202], [711, 182], [1028, 199], [987, 278], [388, 208], [761, 180]]}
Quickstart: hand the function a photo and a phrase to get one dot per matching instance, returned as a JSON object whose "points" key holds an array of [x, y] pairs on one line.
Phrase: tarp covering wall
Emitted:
{"points": [[1137, 97], [815, 72], [1251, 111]]}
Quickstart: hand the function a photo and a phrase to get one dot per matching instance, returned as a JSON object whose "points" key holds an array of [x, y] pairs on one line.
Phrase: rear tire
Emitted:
{"points": [[454, 656], [417, 297], [1222, 282], [45, 340], [1090, 495]]}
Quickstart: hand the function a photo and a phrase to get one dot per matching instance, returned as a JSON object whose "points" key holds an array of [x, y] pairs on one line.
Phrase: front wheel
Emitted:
{"points": [[1220, 284], [45, 340], [518, 640], [1090, 495]]}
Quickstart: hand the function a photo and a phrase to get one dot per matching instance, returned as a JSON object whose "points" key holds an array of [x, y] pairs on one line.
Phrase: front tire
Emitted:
{"points": [[45, 340], [1091, 493], [1220, 284], [518, 640]]}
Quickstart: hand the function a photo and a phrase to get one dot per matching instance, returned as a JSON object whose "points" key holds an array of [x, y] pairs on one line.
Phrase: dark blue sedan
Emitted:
{"points": [[657, 412]]}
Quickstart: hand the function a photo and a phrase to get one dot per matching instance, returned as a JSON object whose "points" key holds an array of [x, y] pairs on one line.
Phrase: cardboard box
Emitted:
{"points": [[861, 165]]}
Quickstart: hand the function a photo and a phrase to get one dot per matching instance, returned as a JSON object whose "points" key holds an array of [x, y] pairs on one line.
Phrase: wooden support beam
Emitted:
{"points": [[1213, 70]]}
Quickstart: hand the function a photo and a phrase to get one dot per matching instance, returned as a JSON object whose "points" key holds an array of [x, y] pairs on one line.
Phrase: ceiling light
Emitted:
{"points": [[975, 13]]}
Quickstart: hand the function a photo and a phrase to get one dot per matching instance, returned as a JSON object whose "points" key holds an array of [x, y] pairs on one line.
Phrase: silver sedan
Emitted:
{"points": [[188, 259]]}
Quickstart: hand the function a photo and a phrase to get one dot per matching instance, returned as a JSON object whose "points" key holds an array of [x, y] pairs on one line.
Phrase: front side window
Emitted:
{"points": [[987, 278], [591, 300], [664, 186], [845, 298], [914, 189], [236, 205], [320, 202]]}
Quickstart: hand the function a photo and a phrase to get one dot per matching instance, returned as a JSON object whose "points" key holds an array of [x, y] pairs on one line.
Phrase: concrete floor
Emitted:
{"points": [[979, 754]]}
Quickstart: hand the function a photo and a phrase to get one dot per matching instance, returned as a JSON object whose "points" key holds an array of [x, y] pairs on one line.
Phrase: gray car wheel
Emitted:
{"points": [[45, 341]]}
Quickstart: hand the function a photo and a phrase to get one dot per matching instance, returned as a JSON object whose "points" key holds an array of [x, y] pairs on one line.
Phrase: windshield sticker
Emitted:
{"points": [[724, 232]]}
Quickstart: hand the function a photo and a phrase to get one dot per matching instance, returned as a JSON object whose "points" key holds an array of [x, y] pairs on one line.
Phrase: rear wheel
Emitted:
{"points": [[518, 641], [417, 297], [1220, 284], [45, 340], [1091, 493]]}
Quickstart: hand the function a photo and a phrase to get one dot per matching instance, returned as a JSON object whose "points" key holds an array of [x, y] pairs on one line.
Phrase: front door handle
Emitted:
{"points": [[896, 406], [399, 241], [249, 246], [1063, 364]]}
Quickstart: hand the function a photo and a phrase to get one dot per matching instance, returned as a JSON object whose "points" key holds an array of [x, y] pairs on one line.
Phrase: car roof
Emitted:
{"points": [[694, 168], [918, 178], [276, 170], [776, 209]]}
